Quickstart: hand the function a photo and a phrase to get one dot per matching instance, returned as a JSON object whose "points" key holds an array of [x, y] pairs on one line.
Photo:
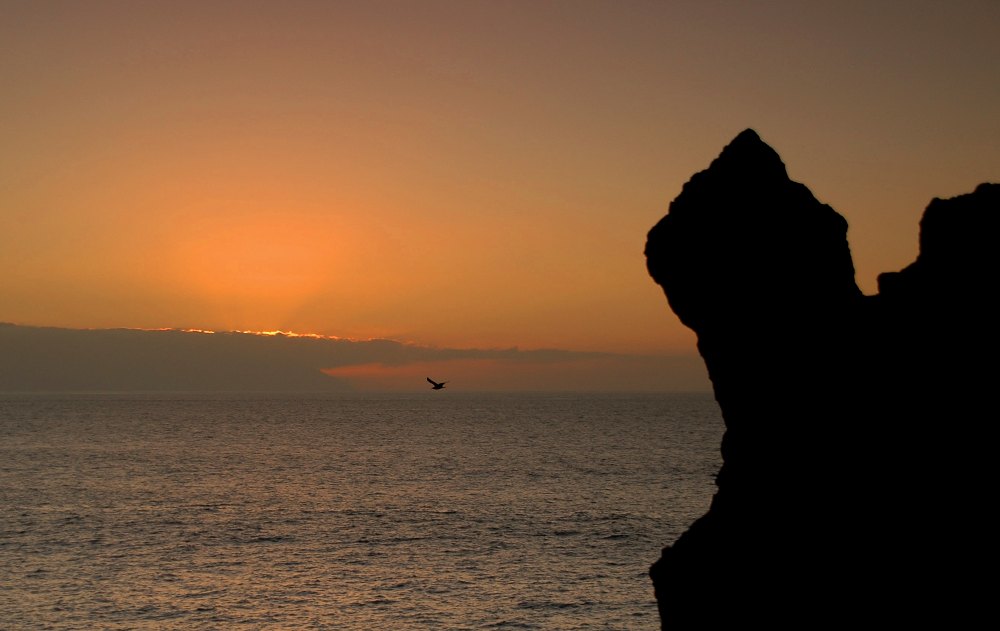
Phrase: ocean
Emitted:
{"points": [[430, 510]]}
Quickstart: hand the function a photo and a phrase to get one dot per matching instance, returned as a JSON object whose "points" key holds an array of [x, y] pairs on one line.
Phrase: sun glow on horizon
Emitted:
{"points": [[262, 258], [278, 333], [274, 333]]}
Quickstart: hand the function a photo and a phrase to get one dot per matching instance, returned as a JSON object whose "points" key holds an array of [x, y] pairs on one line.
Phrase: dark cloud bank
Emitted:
{"points": [[34, 359]]}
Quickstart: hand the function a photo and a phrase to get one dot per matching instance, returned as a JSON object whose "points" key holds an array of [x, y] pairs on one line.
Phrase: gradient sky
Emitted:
{"points": [[454, 173]]}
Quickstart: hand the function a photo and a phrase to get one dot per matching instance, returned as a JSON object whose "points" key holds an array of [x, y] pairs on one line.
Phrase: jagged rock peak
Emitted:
{"points": [[741, 232], [962, 227], [957, 250], [748, 157]]}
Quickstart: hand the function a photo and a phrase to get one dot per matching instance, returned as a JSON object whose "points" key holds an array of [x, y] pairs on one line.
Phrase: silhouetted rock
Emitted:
{"points": [[847, 482]]}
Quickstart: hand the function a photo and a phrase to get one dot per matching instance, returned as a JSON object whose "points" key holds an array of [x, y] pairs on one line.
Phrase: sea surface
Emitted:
{"points": [[435, 510]]}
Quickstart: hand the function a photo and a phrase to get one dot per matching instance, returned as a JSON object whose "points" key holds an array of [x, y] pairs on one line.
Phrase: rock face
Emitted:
{"points": [[856, 482]]}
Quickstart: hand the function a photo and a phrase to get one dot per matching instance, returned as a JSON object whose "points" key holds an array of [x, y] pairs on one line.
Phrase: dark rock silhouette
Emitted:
{"points": [[855, 481]]}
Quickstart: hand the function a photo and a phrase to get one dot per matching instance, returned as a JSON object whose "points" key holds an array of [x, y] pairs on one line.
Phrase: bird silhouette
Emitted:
{"points": [[437, 386]]}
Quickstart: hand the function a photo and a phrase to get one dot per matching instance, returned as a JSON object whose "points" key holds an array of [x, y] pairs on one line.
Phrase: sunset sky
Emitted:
{"points": [[452, 173]]}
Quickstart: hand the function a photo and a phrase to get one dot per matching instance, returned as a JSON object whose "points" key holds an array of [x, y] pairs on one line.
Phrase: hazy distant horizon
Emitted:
{"points": [[56, 359]]}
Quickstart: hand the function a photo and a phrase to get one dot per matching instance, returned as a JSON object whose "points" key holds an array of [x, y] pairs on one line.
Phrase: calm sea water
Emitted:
{"points": [[437, 510]]}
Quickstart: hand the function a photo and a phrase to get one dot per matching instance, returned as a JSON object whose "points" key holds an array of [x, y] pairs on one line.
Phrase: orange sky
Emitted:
{"points": [[455, 173]]}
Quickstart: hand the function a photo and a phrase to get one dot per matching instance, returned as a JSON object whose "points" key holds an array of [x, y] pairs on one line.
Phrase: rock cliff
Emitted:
{"points": [[855, 481]]}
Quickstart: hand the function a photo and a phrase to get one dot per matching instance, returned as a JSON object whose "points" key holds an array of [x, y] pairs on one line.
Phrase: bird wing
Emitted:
{"points": [[431, 381]]}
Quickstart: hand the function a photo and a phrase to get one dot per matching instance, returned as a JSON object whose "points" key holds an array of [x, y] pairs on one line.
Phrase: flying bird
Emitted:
{"points": [[437, 386]]}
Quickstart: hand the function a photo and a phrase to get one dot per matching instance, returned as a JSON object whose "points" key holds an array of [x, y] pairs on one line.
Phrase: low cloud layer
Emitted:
{"points": [[122, 360]]}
